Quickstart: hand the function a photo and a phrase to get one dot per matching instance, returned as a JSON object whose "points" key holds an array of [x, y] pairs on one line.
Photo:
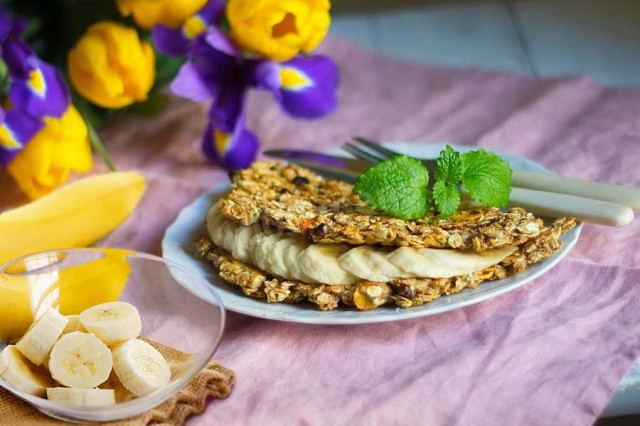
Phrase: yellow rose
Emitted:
{"points": [[278, 29], [110, 66], [60, 147], [170, 13]]}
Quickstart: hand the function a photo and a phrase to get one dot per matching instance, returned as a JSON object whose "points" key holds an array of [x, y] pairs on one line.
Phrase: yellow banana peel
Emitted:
{"points": [[16, 314], [95, 282], [25, 293], [75, 215]]}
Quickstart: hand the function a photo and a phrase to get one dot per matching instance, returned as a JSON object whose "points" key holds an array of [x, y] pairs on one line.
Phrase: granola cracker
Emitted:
{"points": [[327, 211]]}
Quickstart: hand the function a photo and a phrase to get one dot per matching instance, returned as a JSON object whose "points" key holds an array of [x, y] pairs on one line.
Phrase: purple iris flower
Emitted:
{"points": [[305, 87], [215, 70], [16, 129], [36, 89], [35, 86], [178, 41]]}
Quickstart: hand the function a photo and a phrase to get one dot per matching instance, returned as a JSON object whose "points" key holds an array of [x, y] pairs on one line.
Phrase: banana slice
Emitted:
{"points": [[260, 246], [73, 324], [80, 360], [140, 367], [320, 262], [40, 338], [214, 219], [82, 397], [240, 249], [290, 258], [113, 383], [370, 263], [228, 229], [276, 258], [20, 373], [112, 322], [444, 263]]}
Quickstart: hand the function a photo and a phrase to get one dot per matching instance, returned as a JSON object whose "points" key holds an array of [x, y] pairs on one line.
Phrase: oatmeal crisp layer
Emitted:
{"points": [[327, 211]]}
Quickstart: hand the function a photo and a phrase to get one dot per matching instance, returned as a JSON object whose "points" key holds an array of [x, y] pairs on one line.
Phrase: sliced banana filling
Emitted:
{"points": [[292, 257]]}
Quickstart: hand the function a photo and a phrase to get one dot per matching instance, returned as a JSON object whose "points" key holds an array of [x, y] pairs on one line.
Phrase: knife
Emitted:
{"points": [[538, 181], [539, 202]]}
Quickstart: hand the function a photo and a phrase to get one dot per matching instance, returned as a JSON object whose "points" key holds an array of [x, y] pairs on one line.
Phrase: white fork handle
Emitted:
{"points": [[559, 205], [616, 194]]}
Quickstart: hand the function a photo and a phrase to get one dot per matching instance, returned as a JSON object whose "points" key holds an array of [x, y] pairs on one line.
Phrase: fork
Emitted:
{"points": [[542, 193]]}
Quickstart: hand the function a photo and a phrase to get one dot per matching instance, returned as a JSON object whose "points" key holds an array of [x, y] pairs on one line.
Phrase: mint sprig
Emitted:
{"points": [[397, 186], [446, 197], [485, 176]]}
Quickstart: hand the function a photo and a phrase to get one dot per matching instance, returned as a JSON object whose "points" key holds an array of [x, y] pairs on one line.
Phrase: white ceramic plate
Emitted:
{"points": [[178, 246]]}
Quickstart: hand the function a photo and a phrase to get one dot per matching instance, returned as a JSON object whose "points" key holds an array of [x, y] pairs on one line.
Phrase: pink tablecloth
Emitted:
{"points": [[549, 353]]}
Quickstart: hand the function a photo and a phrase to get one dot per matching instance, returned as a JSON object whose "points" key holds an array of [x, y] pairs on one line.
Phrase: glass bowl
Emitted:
{"points": [[72, 280]]}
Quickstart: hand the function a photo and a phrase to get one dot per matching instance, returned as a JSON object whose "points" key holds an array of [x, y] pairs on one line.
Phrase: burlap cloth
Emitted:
{"points": [[213, 381]]}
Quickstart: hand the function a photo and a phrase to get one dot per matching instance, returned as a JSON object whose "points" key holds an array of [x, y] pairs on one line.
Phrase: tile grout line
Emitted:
{"points": [[523, 44]]}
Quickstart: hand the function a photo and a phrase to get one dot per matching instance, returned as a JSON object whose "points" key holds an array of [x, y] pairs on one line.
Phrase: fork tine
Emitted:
{"points": [[360, 153], [375, 146]]}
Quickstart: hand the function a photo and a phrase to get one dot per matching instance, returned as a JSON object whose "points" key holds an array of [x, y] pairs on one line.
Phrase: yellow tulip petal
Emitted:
{"points": [[278, 29], [171, 13], [111, 66], [60, 147], [176, 13], [146, 13]]}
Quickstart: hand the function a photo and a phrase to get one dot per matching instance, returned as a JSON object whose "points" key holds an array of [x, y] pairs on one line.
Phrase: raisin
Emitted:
{"points": [[300, 180]]}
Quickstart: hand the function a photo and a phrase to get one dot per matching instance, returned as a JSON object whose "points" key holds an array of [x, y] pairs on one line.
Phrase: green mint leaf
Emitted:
{"points": [[486, 177], [447, 197], [397, 186], [449, 166]]}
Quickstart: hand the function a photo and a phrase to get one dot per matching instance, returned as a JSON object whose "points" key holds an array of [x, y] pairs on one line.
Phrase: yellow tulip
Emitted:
{"points": [[170, 13], [278, 29], [111, 66], [60, 147]]}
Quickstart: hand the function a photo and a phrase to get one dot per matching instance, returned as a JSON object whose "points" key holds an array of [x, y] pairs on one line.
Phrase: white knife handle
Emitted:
{"points": [[558, 205], [617, 194]]}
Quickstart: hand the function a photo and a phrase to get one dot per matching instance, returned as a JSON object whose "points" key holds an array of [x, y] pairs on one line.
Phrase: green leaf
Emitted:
{"points": [[486, 177], [397, 186], [84, 108], [447, 197], [96, 143], [167, 68], [449, 166]]}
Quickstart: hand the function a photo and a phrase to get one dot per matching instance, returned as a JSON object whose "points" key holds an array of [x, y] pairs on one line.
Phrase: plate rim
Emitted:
{"points": [[316, 317]]}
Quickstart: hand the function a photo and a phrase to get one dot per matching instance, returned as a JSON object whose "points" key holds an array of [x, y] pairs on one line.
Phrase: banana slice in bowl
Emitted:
{"points": [[119, 355]]}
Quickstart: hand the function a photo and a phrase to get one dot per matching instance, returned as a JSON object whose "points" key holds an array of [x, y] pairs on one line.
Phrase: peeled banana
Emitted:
{"points": [[140, 367], [20, 373], [73, 324], [80, 360], [113, 383], [82, 397], [75, 215], [292, 257], [40, 338], [113, 322], [72, 367]]}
